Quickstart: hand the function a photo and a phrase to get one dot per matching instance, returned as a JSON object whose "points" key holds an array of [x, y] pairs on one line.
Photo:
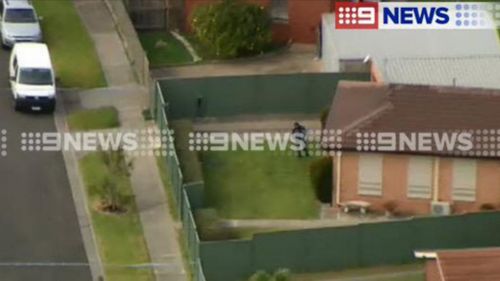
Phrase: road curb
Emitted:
{"points": [[80, 201]]}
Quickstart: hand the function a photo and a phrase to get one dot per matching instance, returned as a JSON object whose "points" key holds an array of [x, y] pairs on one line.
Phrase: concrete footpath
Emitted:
{"points": [[130, 99]]}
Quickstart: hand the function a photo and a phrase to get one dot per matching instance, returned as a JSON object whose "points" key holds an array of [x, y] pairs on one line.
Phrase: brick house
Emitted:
{"points": [[462, 265], [296, 20], [413, 179]]}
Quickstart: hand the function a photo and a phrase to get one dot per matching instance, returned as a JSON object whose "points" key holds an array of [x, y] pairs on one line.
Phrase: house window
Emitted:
{"points": [[464, 180], [420, 177], [370, 175], [279, 10]]}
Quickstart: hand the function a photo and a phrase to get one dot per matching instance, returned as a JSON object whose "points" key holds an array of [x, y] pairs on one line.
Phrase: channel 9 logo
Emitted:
{"points": [[417, 15], [356, 15]]}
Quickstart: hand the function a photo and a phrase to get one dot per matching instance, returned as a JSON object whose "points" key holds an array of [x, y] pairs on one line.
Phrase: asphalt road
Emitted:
{"points": [[38, 222]]}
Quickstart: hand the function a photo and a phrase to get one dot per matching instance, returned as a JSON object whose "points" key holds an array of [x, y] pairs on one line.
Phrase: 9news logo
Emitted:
{"points": [[417, 15], [356, 15]]}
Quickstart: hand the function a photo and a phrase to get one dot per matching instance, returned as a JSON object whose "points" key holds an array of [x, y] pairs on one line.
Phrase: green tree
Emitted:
{"points": [[232, 28], [113, 196]]}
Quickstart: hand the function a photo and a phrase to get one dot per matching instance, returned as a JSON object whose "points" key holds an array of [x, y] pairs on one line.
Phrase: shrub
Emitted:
{"points": [[279, 275], [390, 207], [260, 276], [189, 159], [282, 274], [232, 28], [487, 207], [321, 172], [324, 116], [210, 227], [111, 191]]}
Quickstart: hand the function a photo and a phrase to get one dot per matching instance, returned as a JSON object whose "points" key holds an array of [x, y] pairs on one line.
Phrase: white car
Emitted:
{"points": [[32, 78], [18, 22]]}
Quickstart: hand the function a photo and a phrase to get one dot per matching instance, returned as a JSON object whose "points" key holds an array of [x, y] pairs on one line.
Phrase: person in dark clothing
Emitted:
{"points": [[299, 132]]}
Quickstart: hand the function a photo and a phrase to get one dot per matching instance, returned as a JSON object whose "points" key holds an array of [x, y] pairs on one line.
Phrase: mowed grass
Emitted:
{"points": [[120, 237], [71, 48], [94, 119], [259, 185], [163, 49], [409, 272]]}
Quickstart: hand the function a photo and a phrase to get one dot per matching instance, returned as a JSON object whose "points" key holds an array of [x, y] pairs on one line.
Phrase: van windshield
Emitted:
{"points": [[20, 16], [35, 76]]}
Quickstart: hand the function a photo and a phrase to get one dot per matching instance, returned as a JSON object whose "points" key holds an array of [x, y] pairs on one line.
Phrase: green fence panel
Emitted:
{"points": [[331, 249], [385, 243], [227, 260], [195, 192], [484, 229], [280, 250], [259, 94]]}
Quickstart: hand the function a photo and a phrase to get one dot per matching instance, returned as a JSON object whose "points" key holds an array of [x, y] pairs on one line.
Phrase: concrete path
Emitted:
{"points": [[282, 123], [298, 59], [99, 23], [342, 220], [130, 99], [158, 225]]}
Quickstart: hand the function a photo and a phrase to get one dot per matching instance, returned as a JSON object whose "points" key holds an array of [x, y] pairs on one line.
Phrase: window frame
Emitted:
{"points": [[420, 190], [370, 187]]}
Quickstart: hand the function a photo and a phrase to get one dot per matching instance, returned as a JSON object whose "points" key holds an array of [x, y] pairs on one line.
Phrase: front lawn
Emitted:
{"points": [[163, 49], [71, 48], [259, 185], [94, 119], [120, 237]]}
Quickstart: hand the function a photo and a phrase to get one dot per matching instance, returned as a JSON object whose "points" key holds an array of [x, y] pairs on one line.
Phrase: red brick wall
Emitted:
{"points": [[432, 271], [304, 18], [394, 182]]}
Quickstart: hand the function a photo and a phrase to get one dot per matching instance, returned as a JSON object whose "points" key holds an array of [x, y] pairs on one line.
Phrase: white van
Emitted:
{"points": [[32, 78]]}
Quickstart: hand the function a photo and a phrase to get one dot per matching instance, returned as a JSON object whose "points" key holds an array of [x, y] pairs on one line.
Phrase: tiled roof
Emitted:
{"points": [[365, 107], [470, 265]]}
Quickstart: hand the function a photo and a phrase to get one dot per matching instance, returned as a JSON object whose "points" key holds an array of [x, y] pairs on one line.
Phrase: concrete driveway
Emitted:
{"points": [[38, 222]]}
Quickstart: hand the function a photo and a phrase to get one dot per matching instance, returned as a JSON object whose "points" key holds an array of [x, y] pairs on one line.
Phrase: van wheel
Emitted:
{"points": [[51, 108], [16, 105]]}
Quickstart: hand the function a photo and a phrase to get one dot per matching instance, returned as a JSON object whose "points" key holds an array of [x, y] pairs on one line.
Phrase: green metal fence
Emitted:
{"points": [[303, 93], [179, 191], [310, 250], [339, 248]]}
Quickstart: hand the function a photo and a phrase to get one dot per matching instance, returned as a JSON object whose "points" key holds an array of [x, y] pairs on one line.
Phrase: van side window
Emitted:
{"points": [[14, 66], [1, 8]]}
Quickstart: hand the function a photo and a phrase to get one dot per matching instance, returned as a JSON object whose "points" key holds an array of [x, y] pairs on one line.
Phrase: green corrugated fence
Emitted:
{"points": [[309, 250], [191, 239], [340, 248], [303, 93]]}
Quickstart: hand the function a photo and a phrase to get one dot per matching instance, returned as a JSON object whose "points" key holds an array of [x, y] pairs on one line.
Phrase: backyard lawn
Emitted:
{"points": [[410, 272], [120, 237], [259, 185], [71, 48], [163, 49]]}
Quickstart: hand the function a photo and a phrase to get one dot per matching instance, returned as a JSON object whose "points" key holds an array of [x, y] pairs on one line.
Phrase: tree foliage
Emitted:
{"points": [[232, 28]]}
